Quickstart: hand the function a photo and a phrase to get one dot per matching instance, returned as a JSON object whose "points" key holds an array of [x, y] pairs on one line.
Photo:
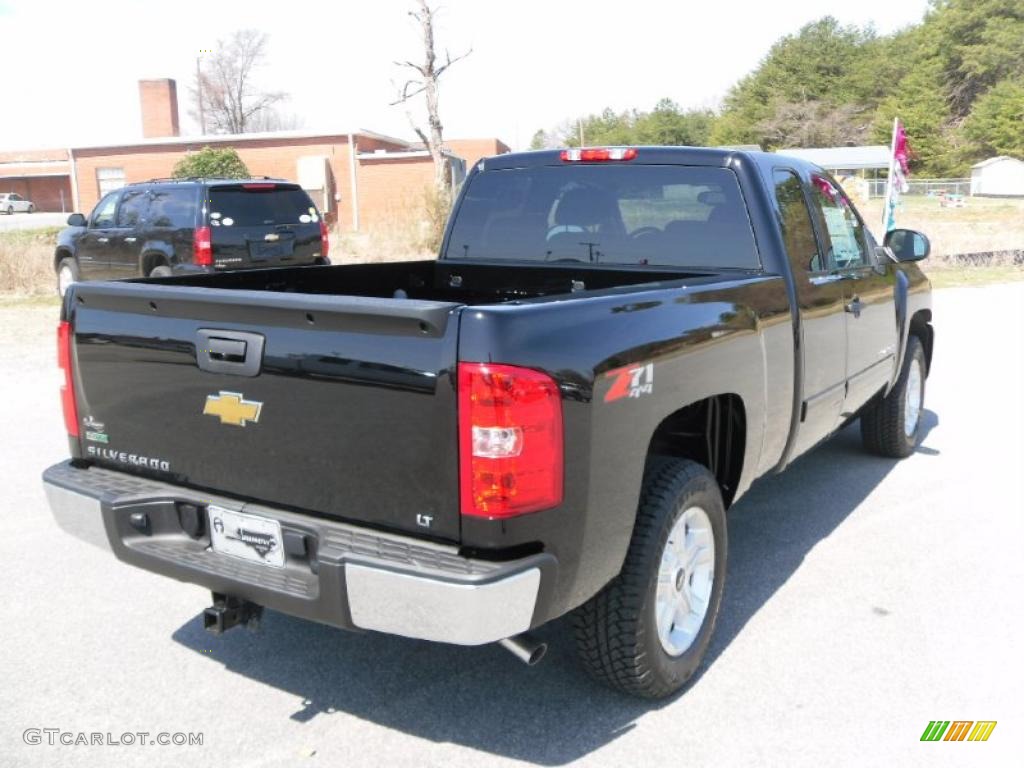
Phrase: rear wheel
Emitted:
{"points": [[161, 271], [67, 273], [892, 426], [647, 631]]}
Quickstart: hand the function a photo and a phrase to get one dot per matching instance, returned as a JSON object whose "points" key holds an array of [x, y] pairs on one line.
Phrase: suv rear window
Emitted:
{"points": [[260, 205], [664, 215]]}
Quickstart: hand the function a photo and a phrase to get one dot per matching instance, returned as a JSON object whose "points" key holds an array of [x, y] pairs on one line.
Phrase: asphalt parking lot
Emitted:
{"points": [[865, 597], [36, 220]]}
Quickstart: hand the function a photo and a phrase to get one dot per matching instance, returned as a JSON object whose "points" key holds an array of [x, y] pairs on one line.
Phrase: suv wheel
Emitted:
{"points": [[646, 633], [67, 273], [161, 271]]}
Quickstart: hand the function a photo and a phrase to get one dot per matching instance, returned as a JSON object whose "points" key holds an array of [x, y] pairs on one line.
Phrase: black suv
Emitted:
{"points": [[168, 227]]}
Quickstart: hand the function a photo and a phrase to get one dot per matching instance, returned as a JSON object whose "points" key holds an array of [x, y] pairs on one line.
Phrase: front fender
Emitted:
{"points": [[902, 301]]}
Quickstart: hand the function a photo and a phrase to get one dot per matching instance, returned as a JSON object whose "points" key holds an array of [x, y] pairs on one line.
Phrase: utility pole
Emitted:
{"points": [[579, 122], [199, 87]]}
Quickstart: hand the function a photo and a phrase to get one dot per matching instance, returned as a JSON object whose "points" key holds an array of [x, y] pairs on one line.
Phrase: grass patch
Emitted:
{"points": [[958, 277], [409, 230], [23, 301], [26, 262], [983, 225]]}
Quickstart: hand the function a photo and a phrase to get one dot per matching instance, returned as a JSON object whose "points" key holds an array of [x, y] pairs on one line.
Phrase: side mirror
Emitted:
{"points": [[908, 244], [76, 220]]}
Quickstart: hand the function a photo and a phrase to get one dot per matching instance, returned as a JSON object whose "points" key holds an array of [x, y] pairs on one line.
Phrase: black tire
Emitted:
{"points": [[10, 210], [616, 630], [882, 425], [31, 209], [69, 264], [161, 271]]}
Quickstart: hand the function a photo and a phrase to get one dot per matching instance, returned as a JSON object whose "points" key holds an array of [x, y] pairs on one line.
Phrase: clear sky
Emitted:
{"points": [[70, 69]]}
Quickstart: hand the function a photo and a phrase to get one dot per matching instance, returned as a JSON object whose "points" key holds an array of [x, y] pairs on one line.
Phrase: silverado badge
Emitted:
{"points": [[232, 408]]}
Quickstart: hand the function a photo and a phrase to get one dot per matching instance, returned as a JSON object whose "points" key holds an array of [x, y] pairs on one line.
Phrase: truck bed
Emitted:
{"points": [[431, 280]]}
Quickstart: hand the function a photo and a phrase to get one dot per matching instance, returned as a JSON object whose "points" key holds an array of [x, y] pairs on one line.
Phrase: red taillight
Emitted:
{"points": [[202, 247], [510, 440], [67, 389], [598, 154], [325, 240]]}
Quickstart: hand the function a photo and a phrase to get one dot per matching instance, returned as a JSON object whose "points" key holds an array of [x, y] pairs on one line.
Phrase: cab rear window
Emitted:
{"points": [[259, 205], [658, 215]]}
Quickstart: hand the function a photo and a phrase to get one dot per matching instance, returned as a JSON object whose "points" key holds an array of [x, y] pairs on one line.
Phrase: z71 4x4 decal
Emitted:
{"points": [[631, 381]]}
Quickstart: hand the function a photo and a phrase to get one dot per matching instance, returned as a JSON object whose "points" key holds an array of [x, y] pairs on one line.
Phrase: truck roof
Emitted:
{"points": [[707, 156]]}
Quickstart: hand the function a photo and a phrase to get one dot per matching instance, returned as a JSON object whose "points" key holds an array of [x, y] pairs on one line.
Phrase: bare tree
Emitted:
{"points": [[274, 119], [428, 74], [225, 93], [812, 123]]}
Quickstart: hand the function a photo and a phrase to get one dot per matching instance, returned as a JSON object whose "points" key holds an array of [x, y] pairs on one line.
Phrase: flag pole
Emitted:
{"points": [[892, 176]]}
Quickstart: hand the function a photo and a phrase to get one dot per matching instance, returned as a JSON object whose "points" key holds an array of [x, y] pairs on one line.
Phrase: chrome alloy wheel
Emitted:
{"points": [[912, 407], [685, 576]]}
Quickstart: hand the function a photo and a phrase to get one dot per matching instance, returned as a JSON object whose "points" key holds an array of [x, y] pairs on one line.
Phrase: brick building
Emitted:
{"points": [[359, 178]]}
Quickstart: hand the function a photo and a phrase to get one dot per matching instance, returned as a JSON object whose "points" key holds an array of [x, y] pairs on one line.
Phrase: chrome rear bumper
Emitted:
{"points": [[335, 573]]}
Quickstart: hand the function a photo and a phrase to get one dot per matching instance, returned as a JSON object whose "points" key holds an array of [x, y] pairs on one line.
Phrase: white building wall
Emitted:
{"points": [[1003, 177]]}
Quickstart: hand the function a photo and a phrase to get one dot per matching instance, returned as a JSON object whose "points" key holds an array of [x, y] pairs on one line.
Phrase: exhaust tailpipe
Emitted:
{"points": [[525, 647]]}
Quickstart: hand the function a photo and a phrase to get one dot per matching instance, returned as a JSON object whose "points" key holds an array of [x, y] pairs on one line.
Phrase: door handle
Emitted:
{"points": [[102, 239], [226, 350], [234, 352], [855, 307], [130, 239]]}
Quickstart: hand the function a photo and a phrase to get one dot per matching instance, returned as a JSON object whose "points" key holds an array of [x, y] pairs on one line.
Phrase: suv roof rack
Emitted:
{"points": [[207, 178]]}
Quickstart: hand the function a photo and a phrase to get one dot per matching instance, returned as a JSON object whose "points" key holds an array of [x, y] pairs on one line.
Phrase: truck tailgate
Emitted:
{"points": [[342, 406]]}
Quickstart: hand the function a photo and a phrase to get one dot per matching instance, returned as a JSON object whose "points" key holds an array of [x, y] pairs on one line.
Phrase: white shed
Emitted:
{"points": [[998, 176]]}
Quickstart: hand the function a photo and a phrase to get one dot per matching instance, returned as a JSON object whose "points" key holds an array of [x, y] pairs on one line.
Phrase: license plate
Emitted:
{"points": [[248, 537], [261, 251]]}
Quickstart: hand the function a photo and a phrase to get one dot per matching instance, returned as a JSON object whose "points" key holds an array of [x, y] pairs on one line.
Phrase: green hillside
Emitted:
{"points": [[956, 80]]}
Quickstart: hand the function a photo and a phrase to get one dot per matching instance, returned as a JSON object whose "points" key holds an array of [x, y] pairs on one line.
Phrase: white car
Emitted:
{"points": [[12, 202]]}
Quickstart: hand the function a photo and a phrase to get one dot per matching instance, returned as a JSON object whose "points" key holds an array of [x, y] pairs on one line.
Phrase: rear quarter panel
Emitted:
{"points": [[702, 338]]}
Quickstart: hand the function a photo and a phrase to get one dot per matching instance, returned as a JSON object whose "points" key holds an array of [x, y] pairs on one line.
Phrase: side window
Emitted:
{"points": [[173, 207], [844, 228], [797, 230], [103, 213], [133, 208]]}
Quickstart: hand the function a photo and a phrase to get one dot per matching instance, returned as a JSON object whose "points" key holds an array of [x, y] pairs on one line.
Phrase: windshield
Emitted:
{"points": [[662, 215], [260, 205]]}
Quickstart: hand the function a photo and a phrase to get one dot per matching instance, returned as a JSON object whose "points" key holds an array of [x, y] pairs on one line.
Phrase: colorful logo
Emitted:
{"points": [[958, 730], [632, 381], [233, 408]]}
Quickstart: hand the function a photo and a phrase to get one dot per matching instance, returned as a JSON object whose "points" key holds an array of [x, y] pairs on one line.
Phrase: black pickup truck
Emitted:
{"points": [[552, 417]]}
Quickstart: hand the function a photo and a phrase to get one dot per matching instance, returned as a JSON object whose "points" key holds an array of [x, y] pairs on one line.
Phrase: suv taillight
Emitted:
{"points": [[325, 240], [202, 247], [510, 440], [67, 389]]}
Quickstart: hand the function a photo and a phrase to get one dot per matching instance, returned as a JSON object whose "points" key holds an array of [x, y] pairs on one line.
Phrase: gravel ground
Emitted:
{"points": [[865, 597]]}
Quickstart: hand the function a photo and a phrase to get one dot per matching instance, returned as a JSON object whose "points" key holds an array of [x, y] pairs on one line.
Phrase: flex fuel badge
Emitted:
{"points": [[94, 430]]}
